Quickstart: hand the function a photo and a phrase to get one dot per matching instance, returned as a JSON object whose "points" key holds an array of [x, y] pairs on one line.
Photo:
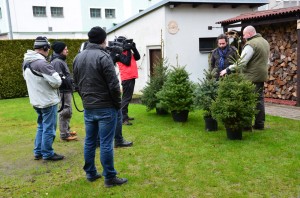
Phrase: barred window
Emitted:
{"points": [[110, 13], [95, 12], [39, 11], [57, 11]]}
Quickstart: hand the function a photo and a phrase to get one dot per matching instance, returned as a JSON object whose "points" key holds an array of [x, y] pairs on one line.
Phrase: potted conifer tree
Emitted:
{"points": [[235, 103], [177, 94], [205, 94], [157, 80]]}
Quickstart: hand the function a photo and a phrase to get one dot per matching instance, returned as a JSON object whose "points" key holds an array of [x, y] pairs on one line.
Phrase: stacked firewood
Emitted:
{"points": [[282, 80]]}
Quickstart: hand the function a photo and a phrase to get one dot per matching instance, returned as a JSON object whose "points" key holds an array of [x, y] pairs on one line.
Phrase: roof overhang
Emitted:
{"points": [[262, 17]]}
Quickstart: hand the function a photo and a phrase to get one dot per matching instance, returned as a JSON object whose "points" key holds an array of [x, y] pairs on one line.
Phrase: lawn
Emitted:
{"points": [[168, 159]]}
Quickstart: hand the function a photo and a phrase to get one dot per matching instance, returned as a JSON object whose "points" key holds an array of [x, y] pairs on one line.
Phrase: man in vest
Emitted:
{"points": [[220, 57], [255, 55], [129, 72]]}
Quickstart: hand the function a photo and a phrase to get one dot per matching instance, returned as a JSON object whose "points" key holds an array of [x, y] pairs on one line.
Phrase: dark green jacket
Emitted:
{"points": [[257, 68]]}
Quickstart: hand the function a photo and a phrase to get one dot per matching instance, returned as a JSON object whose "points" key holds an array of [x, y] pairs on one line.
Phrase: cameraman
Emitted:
{"points": [[58, 60], [129, 72]]}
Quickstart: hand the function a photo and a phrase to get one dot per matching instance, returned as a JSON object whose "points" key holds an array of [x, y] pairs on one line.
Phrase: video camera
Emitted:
{"points": [[115, 46], [119, 44]]}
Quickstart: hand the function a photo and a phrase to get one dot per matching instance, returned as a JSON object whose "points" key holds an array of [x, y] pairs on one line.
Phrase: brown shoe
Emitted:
{"points": [[70, 138], [73, 133], [126, 122]]}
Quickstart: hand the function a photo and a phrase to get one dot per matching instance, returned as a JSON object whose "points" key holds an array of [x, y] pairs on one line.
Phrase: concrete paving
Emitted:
{"points": [[285, 111]]}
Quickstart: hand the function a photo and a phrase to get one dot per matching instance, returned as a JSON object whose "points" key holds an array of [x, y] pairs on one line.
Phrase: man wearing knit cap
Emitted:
{"points": [[58, 60], [42, 84], [98, 86]]}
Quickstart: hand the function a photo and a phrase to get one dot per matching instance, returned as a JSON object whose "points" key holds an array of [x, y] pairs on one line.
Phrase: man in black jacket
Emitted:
{"points": [[98, 86], [220, 57]]}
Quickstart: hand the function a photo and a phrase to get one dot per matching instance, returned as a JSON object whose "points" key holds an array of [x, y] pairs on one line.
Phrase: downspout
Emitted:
{"points": [[9, 20]]}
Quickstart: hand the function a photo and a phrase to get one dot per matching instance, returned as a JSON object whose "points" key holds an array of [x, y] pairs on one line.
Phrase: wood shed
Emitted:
{"points": [[281, 28]]}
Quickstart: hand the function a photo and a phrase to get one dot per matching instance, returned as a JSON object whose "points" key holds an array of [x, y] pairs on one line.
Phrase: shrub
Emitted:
{"points": [[149, 98]]}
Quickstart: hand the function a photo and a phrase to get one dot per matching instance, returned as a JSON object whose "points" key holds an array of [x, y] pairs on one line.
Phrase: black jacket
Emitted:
{"points": [[96, 78]]}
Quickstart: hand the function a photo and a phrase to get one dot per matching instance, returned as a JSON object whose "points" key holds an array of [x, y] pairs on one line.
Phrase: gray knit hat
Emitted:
{"points": [[41, 42]]}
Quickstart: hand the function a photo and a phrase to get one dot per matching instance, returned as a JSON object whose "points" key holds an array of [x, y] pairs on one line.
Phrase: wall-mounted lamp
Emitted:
{"points": [[211, 27], [172, 6]]}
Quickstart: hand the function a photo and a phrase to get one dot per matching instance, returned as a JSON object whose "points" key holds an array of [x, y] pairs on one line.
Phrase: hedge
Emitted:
{"points": [[12, 83]]}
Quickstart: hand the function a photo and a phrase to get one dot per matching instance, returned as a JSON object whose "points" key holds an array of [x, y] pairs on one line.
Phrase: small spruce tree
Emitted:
{"points": [[206, 92], [177, 92]]}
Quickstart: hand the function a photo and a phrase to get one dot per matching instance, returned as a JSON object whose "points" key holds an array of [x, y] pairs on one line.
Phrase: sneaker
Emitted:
{"points": [[126, 122], [115, 181], [123, 143], [38, 157], [55, 157], [129, 118], [94, 178], [70, 138], [73, 133]]}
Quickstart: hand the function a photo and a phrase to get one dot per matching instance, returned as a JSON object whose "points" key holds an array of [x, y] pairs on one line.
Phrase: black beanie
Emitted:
{"points": [[97, 35], [40, 42], [58, 46]]}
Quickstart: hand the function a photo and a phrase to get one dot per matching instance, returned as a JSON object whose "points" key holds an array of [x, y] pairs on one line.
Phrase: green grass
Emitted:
{"points": [[168, 159]]}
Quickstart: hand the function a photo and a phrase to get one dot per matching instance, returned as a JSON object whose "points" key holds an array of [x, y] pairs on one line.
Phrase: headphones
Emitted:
{"points": [[46, 47]]}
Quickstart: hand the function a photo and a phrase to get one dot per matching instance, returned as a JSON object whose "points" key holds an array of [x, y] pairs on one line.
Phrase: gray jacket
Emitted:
{"points": [[43, 91]]}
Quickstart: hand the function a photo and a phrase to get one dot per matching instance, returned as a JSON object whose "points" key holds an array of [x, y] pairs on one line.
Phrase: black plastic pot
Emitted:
{"points": [[210, 124], [161, 111], [180, 116], [234, 134]]}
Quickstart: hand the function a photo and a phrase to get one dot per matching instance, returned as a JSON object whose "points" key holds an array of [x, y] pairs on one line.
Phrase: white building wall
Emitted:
{"points": [[182, 47], [76, 21], [193, 23], [3, 21], [146, 33]]}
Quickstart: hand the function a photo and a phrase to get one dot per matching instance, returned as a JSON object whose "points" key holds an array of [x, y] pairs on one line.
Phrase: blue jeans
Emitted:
{"points": [[45, 133], [100, 122]]}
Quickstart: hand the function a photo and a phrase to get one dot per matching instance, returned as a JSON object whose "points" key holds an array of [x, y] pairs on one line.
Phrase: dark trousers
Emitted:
{"points": [[260, 116], [128, 88]]}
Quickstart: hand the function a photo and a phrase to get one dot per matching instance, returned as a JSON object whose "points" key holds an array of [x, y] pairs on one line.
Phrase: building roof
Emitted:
{"points": [[262, 15], [194, 3]]}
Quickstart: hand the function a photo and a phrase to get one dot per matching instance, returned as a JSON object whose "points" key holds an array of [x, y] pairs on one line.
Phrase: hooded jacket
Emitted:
{"points": [[95, 75], [61, 67], [42, 90]]}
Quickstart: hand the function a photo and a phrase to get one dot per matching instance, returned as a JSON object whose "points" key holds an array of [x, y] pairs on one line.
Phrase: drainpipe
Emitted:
{"points": [[9, 20]]}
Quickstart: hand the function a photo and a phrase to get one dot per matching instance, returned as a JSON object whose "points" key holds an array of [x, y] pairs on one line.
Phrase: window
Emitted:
{"points": [[57, 12], [110, 13], [0, 13], [39, 11], [95, 13], [207, 44]]}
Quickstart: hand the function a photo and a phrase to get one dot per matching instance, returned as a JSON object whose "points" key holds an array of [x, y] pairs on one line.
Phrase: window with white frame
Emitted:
{"points": [[0, 13], [57, 11], [110, 13], [39, 11], [95, 13]]}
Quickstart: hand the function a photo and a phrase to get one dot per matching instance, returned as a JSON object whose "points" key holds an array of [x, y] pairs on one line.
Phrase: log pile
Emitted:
{"points": [[282, 81]]}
